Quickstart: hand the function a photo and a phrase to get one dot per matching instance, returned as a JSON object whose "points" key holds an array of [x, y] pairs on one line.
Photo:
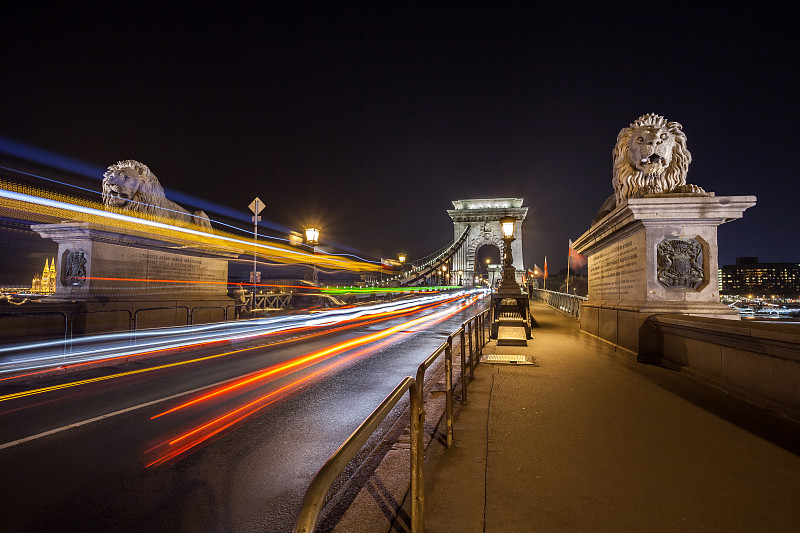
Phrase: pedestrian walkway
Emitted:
{"points": [[589, 440]]}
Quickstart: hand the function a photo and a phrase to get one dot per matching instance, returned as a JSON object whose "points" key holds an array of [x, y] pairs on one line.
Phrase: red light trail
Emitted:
{"points": [[181, 444], [348, 323]]}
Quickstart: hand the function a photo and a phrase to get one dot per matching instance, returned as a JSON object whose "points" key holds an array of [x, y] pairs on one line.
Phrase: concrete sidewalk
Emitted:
{"points": [[589, 440]]}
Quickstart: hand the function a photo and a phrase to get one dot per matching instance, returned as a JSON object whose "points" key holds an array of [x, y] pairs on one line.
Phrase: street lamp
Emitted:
{"points": [[507, 223], [312, 239], [508, 284], [312, 235]]}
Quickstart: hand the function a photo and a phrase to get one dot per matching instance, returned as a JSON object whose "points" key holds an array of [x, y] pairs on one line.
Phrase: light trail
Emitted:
{"points": [[232, 418], [168, 398], [62, 386], [349, 320], [182, 444], [35, 358], [309, 358], [58, 207], [323, 290]]}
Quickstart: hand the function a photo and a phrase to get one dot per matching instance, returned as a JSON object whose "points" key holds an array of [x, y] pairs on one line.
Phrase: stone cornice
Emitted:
{"points": [[656, 210], [487, 215]]}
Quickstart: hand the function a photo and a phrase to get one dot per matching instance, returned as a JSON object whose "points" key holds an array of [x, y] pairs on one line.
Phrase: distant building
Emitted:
{"points": [[45, 283], [748, 276]]}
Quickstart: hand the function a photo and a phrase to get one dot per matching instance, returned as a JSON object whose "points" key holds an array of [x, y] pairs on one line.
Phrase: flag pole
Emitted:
{"points": [[567, 274]]}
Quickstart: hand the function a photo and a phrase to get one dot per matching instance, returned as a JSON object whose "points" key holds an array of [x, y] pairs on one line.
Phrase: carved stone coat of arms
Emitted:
{"points": [[680, 263]]}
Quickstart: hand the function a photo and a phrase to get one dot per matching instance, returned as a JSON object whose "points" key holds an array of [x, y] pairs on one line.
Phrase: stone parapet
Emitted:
{"points": [[755, 361]]}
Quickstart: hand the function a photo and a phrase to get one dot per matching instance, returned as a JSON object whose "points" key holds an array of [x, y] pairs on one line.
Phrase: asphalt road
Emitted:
{"points": [[100, 451]]}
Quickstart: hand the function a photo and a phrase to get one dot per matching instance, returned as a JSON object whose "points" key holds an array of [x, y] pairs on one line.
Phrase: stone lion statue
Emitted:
{"points": [[650, 157], [130, 185]]}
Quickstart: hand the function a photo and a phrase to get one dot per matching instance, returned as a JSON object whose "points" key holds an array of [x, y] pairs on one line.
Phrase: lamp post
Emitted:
{"points": [[402, 258], [312, 239], [508, 284], [508, 303]]}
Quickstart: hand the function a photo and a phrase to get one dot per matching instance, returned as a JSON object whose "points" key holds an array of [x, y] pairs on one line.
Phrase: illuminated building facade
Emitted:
{"points": [[45, 283], [749, 277]]}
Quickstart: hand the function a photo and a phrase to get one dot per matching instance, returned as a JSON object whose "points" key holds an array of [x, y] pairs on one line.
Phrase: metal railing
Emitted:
{"points": [[176, 307], [314, 499], [67, 317], [210, 310], [569, 304], [267, 301]]}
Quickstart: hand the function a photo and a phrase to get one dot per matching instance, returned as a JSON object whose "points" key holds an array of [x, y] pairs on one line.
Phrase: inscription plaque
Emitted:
{"points": [[617, 272]]}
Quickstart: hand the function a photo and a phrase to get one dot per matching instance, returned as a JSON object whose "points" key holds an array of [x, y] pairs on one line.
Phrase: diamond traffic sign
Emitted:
{"points": [[256, 206]]}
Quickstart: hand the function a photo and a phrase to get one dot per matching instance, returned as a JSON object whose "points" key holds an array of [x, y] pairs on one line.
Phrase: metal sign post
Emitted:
{"points": [[256, 206]]}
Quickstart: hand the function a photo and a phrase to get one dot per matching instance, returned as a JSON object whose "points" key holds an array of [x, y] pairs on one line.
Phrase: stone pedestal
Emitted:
{"points": [[652, 255], [95, 263]]}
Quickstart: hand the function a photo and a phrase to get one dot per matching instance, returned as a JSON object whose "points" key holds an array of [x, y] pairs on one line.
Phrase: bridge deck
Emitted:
{"points": [[591, 441]]}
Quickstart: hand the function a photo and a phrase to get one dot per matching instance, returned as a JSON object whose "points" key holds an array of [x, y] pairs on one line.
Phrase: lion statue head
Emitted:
{"points": [[130, 186], [651, 157]]}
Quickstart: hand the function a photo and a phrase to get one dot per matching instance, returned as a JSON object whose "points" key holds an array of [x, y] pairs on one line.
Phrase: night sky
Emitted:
{"points": [[371, 120]]}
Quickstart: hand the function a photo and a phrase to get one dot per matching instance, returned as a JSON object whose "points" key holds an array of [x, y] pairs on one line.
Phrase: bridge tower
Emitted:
{"points": [[483, 215]]}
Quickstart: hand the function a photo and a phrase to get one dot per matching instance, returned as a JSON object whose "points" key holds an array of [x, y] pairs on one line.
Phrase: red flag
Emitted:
{"points": [[545, 267], [576, 260]]}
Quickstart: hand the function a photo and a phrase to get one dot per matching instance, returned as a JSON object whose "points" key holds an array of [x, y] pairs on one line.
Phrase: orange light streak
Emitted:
{"points": [[243, 284], [201, 434], [302, 360], [350, 323], [245, 411]]}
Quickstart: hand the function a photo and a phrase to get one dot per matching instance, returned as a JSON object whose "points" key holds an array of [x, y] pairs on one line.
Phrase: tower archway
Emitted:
{"points": [[483, 217]]}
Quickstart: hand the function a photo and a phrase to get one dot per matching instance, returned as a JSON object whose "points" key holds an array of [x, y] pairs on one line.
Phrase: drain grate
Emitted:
{"points": [[510, 359]]}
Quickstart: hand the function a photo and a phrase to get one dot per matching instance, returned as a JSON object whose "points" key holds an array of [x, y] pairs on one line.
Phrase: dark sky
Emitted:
{"points": [[371, 120]]}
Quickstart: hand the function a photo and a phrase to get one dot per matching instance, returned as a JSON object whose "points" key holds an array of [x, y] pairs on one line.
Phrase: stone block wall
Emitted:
{"points": [[758, 362]]}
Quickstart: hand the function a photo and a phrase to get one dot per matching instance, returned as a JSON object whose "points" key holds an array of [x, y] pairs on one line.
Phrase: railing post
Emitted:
{"points": [[448, 366], [479, 336], [479, 325], [471, 353], [417, 454], [482, 328], [463, 366]]}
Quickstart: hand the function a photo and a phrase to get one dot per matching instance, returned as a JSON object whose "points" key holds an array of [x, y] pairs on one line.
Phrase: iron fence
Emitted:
{"points": [[314, 499], [569, 304]]}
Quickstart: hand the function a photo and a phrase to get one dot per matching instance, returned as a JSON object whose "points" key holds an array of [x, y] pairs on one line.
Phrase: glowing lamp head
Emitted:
{"points": [[507, 223], [401, 257], [312, 235]]}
